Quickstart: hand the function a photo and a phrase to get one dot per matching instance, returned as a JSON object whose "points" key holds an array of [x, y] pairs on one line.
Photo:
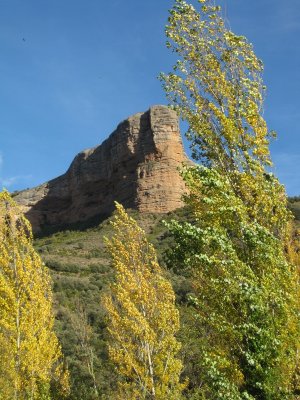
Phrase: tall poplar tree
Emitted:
{"points": [[143, 319], [217, 87], [246, 300], [30, 353]]}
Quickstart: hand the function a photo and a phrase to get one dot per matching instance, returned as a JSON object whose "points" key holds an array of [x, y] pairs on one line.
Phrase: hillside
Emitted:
{"points": [[138, 166], [294, 206], [80, 270]]}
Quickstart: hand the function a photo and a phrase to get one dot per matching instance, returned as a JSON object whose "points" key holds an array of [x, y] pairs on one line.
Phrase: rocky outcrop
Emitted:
{"points": [[136, 166]]}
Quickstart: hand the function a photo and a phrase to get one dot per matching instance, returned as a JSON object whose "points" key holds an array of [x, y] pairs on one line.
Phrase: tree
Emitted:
{"points": [[84, 334], [246, 293], [142, 317], [31, 357], [217, 88]]}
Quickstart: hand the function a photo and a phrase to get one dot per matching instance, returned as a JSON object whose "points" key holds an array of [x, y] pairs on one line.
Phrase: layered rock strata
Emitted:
{"points": [[136, 166]]}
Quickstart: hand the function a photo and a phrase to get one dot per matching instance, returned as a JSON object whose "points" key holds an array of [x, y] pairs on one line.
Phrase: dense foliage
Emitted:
{"points": [[31, 358], [245, 296], [142, 316], [80, 268], [246, 307], [232, 256]]}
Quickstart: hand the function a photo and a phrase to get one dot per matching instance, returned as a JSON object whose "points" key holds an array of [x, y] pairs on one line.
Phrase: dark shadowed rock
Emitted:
{"points": [[136, 166]]}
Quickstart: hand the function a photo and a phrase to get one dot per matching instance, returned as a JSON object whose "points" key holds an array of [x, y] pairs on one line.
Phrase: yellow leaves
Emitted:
{"points": [[28, 344], [142, 316], [237, 247], [217, 88]]}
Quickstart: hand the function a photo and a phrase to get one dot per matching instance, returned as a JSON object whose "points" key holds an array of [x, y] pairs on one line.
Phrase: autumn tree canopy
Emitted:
{"points": [[246, 293], [143, 319], [31, 357]]}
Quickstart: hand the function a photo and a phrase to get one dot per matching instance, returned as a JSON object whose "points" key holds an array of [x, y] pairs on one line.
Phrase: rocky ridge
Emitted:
{"points": [[137, 166]]}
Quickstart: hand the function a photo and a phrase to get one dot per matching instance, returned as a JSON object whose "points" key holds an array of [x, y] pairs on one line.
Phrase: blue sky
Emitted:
{"points": [[71, 70]]}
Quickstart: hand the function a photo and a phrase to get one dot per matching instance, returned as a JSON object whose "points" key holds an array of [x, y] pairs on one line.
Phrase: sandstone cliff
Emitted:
{"points": [[137, 166]]}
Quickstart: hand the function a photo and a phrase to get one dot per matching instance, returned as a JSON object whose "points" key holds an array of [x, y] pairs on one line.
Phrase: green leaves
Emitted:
{"points": [[245, 292], [246, 307]]}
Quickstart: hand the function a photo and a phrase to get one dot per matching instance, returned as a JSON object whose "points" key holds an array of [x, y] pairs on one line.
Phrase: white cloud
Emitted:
{"points": [[7, 182], [10, 181]]}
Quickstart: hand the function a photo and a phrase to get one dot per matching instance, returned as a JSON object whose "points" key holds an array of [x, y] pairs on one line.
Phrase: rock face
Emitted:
{"points": [[136, 166]]}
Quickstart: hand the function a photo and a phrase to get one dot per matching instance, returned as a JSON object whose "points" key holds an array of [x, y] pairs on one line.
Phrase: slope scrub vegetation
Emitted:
{"points": [[210, 309]]}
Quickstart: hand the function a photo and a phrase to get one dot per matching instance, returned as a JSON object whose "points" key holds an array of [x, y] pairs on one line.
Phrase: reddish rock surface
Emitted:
{"points": [[136, 166]]}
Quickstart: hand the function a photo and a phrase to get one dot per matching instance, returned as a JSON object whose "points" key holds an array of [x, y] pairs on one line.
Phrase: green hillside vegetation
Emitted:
{"points": [[81, 272], [294, 206], [227, 263]]}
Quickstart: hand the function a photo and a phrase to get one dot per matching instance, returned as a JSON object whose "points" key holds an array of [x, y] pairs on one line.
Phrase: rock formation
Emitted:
{"points": [[136, 166]]}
